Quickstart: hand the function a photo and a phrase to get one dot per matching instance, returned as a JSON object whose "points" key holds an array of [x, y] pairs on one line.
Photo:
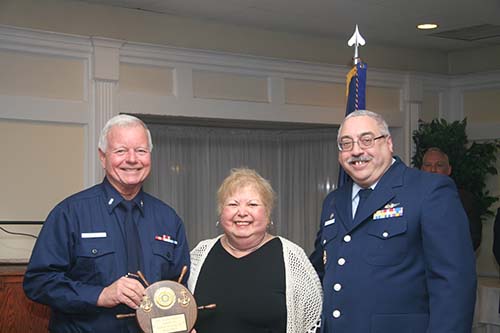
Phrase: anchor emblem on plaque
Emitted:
{"points": [[184, 299]]}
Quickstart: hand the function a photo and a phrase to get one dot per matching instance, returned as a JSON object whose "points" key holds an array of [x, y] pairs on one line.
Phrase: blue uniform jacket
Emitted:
{"points": [[81, 250], [405, 264]]}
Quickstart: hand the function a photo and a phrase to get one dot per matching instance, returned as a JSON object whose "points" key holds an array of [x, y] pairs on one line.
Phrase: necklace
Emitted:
{"points": [[246, 250]]}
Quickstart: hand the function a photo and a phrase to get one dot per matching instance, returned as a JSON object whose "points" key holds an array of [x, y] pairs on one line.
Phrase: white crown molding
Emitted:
{"points": [[476, 81], [44, 42], [43, 109], [435, 82], [203, 59], [385, 78]]}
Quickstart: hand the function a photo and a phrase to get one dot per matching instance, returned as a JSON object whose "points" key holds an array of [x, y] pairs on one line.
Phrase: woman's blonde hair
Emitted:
{"points": [[240, 178]]}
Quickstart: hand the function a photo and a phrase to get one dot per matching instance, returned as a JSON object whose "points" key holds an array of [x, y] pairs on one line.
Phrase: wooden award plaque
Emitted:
{"points": [[168, 307]]}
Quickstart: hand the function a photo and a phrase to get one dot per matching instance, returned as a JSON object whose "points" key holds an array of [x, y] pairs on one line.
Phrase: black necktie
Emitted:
{"points": [[132, 240], [363, 195]]}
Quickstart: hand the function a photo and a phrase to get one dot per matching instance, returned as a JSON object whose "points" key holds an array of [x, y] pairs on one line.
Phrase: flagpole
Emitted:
{"points": [[355, 88], [356, 40]]}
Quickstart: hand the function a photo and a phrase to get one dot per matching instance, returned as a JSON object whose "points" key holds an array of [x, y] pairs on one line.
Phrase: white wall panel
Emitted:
{"points": [[230, 86], [146, 79], [315, 93]]}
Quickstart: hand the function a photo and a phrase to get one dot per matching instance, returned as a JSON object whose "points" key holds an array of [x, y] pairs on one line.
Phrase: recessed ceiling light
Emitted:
{"points": [[427, 26]]}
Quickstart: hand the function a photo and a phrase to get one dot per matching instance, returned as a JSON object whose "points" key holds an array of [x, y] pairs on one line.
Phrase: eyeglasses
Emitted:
{"points": [[364, 142]]}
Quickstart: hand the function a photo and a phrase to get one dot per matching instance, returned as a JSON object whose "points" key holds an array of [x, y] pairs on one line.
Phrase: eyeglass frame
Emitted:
{"points": [[339, 143]]}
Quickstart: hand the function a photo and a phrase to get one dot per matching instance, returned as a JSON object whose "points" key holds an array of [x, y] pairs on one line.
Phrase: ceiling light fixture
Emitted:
{"points": [[427, 26]]}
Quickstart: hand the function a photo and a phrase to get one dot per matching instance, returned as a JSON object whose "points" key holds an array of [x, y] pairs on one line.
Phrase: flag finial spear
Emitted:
{"points": [[356, 40]]}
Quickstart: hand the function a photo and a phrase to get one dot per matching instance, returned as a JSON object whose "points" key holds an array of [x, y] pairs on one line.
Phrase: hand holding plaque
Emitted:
{"points": [[167, 307]]}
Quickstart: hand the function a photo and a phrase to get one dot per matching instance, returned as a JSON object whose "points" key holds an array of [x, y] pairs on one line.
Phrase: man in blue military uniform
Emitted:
{"points": [[92, 240], [393, 249]]}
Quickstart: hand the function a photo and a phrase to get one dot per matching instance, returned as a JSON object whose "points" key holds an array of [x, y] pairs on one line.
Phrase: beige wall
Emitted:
{"points": [[44, 149], [41, 165], [42, 76], [306, 92], [152, 80], [230, 86], [482, 106], [385, 101], [45, 160]]}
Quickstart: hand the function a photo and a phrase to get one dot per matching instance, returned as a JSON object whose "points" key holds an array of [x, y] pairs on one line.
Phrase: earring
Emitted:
{"points": [[217, 224]]}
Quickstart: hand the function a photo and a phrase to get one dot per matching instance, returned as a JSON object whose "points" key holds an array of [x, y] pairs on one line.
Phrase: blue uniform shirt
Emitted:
{"points": [[81, 250]]}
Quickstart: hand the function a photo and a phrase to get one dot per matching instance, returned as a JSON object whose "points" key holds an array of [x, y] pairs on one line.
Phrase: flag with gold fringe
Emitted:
{"points": [[356, 100]]}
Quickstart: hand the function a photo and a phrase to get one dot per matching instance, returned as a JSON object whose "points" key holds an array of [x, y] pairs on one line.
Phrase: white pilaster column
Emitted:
{"points": [[452, 107], [413, 98], [105, 78]]}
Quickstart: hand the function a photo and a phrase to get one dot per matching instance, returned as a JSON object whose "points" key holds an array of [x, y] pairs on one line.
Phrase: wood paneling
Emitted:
{"points": [[17, 312]]}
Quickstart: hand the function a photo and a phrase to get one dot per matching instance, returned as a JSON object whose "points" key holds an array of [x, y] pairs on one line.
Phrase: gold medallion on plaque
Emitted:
{"points": [[164, 298]]}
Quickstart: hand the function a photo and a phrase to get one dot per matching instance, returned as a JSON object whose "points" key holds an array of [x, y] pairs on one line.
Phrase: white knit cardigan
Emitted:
{"points": [[304, 296]]}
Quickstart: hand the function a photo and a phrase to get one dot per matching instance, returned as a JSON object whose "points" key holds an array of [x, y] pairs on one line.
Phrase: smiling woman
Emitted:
{"points": [[245, 204], [260, 283]]}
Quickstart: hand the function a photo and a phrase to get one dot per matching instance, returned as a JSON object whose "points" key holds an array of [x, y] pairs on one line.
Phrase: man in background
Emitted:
{"points": [[85, 262], [436, 161]]}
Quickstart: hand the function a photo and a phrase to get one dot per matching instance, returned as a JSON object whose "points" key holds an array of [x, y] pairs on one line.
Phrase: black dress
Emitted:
{"points": [[249, 291]]}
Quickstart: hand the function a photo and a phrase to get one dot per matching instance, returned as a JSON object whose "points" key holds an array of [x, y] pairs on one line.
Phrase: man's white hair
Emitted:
{"points": [[122, 120]]}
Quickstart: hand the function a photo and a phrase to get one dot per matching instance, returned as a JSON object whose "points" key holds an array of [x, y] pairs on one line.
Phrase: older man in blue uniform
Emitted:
{"points": [[93, 240], [393, 249]]}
